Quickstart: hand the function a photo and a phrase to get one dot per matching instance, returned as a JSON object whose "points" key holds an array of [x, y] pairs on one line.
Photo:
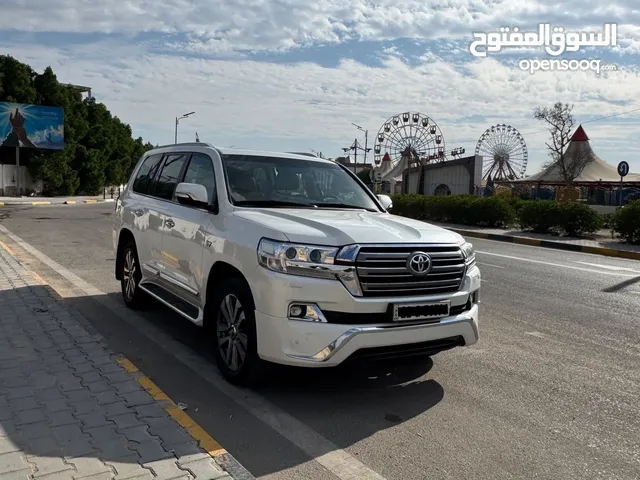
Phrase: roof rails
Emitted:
{"points": [[186, 144]]}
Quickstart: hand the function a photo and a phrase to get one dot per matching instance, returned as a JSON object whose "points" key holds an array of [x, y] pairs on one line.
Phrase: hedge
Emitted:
{"points": [[540, 216]]}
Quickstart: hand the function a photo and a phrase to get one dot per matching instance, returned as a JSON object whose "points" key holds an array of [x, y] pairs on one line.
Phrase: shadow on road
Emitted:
{"points": [[622, 285], [345, 405]]}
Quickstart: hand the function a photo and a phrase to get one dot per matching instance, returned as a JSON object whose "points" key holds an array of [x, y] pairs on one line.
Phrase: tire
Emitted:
{"points": [[231, 335], [130, 276]]}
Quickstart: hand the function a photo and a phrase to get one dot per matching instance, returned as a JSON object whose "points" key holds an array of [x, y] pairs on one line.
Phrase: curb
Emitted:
{"points": [[608, 252], [65, 202], [223, 459]]}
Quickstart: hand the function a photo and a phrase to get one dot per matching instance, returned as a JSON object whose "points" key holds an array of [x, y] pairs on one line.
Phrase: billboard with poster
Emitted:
{"points": [[31, 126]]}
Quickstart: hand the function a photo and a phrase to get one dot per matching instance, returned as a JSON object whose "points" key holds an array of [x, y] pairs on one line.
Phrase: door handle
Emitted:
{"points": [[169, 223], [139, 212]]}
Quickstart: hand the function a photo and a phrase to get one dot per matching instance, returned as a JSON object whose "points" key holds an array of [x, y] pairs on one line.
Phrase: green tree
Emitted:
{"points": [[99, 148]]}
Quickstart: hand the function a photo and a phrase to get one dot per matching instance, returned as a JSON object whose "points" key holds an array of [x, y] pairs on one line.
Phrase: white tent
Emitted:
{"points": [[589, 168]]}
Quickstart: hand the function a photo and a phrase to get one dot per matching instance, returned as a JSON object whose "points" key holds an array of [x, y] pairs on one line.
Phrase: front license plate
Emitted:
{"points": [[406, 312]]}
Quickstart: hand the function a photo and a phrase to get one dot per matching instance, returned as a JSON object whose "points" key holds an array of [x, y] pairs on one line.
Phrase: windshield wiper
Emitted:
{"points": [[343, 205], [272, 204]]}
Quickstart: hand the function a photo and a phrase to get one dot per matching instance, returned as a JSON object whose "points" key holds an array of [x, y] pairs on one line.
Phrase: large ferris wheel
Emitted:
{"points": [[504, 153], [409, 134]]}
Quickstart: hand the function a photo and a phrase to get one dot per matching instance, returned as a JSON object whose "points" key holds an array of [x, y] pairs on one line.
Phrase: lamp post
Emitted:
{"points": [[366, 140], [178, 121]]}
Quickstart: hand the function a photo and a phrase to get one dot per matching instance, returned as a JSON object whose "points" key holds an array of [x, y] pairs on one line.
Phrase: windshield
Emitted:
{"points": [[255, 181]]}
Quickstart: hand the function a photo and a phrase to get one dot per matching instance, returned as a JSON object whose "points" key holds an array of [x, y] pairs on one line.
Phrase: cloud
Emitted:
{"points": [[260, 25], [306, 103], [251, 69]]}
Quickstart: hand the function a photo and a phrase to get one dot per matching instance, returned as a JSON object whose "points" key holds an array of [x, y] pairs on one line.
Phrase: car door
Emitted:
{"points": [[162, 207], [184, 233], [139, 206]]}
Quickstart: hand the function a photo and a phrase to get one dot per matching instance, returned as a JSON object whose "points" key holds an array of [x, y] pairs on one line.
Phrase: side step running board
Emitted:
{"points": [[186, 309]]}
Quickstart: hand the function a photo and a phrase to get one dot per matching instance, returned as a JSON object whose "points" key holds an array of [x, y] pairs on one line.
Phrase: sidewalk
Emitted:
{"points": [[69, 409], [601, 244], [5, 201]]}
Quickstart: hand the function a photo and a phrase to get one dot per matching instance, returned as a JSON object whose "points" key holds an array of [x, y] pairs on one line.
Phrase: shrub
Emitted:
{"points": [[626, 222], [540, 216], [578, 219], [492, 212]]}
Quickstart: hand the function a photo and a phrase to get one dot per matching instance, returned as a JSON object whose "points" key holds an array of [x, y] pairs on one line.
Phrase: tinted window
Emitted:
{"points": [[274, 181], [146, 173], [167, 180], [200, 171]]}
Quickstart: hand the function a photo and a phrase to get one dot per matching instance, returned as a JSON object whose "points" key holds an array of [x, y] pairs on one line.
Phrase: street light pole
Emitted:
{"points": [[178, 121]]}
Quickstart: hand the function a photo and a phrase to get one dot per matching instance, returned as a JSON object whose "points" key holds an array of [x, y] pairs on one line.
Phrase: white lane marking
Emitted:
{"points": [[610, 267], [536, 334], [490, 265], [342, 464], [571, 267]]}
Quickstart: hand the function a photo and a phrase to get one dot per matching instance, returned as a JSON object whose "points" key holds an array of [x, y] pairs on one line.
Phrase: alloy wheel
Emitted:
{"points": [[129, 274], [232, 335]]}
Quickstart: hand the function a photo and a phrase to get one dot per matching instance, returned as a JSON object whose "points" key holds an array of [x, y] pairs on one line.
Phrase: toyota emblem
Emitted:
{"points": [[419, 264]]}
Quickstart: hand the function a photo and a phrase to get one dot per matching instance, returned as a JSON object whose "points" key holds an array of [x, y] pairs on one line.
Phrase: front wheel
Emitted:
{"points": [[232, 320]]}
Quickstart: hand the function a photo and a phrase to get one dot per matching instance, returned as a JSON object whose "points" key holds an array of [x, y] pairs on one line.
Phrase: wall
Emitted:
{"points": [[460, 175], [8, 181]]}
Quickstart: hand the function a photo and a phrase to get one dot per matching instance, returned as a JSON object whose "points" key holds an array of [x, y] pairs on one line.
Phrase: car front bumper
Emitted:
{"points": [[325, 344]]}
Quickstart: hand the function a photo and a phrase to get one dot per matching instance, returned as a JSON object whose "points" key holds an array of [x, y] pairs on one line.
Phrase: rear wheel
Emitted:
{"points": [[130, 276], [233, 324]]}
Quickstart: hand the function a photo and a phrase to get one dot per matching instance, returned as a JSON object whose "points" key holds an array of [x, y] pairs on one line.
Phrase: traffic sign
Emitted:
{"points": [[623, 169]]}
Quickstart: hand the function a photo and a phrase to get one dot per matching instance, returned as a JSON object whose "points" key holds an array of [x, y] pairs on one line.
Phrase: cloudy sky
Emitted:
{"points": [[294, 74]]}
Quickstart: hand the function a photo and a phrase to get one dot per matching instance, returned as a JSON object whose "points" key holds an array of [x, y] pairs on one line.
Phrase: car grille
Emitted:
{"points": [[383, 272]]}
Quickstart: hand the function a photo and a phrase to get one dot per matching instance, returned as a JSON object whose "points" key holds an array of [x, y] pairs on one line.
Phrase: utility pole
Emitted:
{"points": [[178, 121], [355, 146], [366, 140]]}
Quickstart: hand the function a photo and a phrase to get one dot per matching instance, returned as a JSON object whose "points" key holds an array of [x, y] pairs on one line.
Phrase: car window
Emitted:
{"points": [[200, 171], [167, 179], [146, 173], [274, 181]]}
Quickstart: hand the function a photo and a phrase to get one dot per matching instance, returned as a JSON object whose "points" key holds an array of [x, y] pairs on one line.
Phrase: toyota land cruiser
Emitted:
{"points": [[289, 259]]}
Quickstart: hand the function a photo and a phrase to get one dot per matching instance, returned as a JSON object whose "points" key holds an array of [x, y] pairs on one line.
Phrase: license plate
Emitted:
{"points": [[406, 312]]}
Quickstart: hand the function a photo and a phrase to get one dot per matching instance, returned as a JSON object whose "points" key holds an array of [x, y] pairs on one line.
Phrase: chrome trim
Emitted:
{"points": [[338, 344], [317, 315], [173, 281]]}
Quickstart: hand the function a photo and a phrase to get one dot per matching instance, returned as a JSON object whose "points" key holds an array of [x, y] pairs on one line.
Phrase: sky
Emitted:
{"points": [[293, 75]]}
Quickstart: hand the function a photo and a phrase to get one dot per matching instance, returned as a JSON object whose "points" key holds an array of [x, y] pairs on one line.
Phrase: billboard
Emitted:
{"points": [[31, 126]]}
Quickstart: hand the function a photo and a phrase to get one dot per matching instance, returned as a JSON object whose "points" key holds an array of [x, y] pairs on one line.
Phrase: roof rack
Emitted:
{"points": [[186, 144]]}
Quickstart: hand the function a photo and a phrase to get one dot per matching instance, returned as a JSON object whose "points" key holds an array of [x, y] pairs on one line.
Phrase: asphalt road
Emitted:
{"points": [[551, 390]]}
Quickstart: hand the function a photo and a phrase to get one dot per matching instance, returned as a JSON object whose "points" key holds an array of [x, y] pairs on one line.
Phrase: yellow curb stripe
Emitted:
{"points": [[527, 241], [1, 204], [196, 432], [70, 202], [40, 203], [8, 250], [90, 201]]}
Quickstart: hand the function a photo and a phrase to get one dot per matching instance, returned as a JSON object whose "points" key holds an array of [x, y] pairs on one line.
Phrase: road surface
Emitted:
{"points": [[551, 390]]}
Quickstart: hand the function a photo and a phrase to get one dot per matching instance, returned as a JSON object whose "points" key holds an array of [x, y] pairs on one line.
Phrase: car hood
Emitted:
{"points": [[343, 227]]}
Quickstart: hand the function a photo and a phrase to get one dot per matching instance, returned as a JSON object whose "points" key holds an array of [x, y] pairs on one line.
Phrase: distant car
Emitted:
{"points": [[290, 259]]}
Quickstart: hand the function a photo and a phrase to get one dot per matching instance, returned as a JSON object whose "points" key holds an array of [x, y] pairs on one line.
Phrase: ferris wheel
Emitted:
{"points": [[409, 133], [504, 153]]}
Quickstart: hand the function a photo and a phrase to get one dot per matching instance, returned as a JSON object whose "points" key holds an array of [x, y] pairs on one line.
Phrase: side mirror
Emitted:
{"points": [[192, 194], [386, 202]]}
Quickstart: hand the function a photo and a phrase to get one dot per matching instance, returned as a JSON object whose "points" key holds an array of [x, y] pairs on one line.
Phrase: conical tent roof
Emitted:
{"points": [[579, 152]]}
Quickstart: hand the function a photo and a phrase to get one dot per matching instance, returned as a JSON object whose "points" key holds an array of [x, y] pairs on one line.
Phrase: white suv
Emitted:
{"points": [[290, 259]]}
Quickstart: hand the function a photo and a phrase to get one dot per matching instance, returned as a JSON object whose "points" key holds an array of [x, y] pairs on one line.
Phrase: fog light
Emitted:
{"points": [[297, 310], [308, 312]]}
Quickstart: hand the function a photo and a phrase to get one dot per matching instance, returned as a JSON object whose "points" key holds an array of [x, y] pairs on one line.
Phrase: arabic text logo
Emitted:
{"points": [[554, 40]]}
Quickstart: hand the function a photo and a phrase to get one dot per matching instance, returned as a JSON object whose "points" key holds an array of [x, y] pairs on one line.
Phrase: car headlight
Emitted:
{"points": [[307, 260], [469, 254]]}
